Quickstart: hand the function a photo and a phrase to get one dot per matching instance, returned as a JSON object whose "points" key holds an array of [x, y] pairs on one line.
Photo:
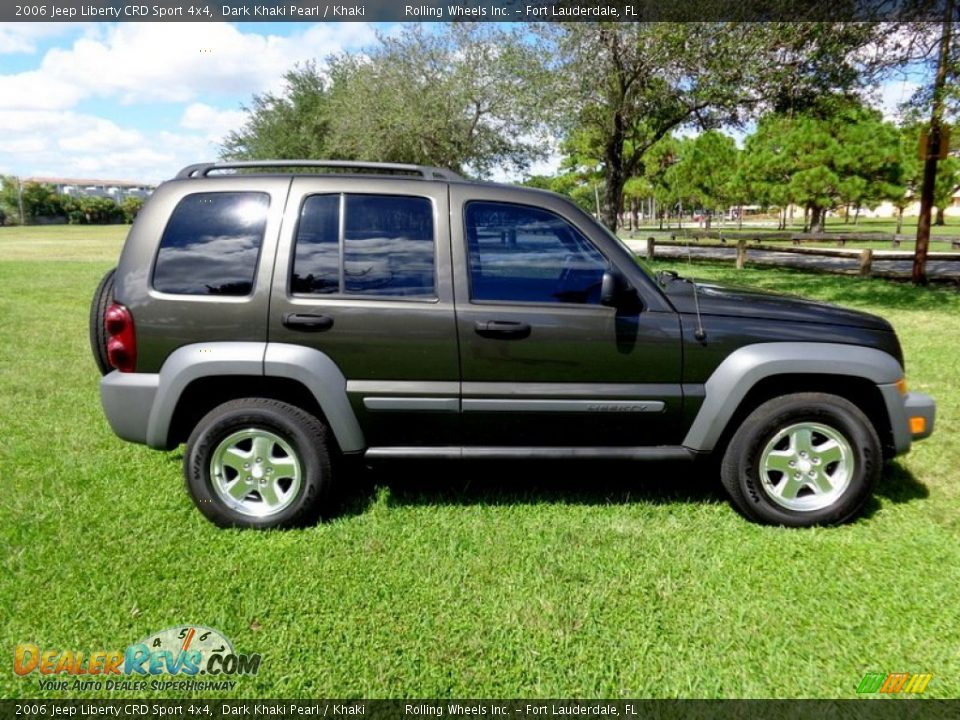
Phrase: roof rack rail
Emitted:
{"points": [[200, 170]]}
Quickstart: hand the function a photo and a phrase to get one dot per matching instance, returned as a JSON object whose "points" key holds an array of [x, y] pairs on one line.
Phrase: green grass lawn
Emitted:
{"points": [[83, 243], [486, 581], [883, 225]]}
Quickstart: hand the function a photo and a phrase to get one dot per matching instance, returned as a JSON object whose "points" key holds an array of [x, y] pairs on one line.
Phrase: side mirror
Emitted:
{"points": [[608, 289], [615, 291]]}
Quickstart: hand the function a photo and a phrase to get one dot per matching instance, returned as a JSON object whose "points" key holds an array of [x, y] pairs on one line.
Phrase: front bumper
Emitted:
{"points": [[921, 412], [911, 416]]}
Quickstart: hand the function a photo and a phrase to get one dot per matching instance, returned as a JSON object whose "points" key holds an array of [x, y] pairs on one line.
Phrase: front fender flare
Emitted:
{"points": [[730, 382]]}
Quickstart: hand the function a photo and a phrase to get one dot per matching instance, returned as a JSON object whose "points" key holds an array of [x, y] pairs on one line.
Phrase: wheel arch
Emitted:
{"points": [[196, 378], [205, 393], [754, 374], [861, 392]]}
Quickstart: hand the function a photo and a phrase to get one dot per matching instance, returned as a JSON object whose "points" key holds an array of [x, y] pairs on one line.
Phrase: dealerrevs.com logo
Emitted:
{"points": [[172, 659], [894, 683]]}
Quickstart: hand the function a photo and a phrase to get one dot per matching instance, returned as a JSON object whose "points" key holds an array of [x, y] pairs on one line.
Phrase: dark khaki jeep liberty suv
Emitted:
{"points": [[279, 315]]}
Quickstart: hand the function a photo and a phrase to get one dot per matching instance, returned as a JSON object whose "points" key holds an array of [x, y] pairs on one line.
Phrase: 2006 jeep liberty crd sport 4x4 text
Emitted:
{"points": [[277, 315]]}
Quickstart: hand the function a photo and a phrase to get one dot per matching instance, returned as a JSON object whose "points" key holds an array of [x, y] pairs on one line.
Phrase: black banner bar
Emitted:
{"points": [[487, 709], [473, 10]]}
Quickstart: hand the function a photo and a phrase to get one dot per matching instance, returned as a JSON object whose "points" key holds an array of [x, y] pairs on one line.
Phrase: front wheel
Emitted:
{"points": [[258, 463], [801, 460]]}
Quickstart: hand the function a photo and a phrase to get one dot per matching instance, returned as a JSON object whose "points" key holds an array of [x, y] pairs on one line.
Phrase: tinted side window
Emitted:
{"points": [[316, 263], [211, 244], [387, 248], [524, 254]]}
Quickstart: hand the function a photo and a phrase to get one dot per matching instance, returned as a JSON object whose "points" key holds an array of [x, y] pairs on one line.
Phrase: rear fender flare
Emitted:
{"points": [[312, 368]]}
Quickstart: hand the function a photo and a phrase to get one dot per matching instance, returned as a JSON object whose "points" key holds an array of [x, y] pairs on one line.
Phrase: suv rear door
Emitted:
{"points": [[543, 363], [363, 275]]}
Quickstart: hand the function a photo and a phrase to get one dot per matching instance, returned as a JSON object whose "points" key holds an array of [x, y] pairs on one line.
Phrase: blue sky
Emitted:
{"points": [[137, 101]]}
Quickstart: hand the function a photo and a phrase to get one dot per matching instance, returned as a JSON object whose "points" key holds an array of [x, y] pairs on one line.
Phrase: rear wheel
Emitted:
{"points": [[801, 460], [258, 463], [102, 299]]}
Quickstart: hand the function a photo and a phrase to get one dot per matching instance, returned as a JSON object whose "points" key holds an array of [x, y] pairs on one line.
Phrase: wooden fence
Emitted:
{"points": [[761, 236], [866, 256]]}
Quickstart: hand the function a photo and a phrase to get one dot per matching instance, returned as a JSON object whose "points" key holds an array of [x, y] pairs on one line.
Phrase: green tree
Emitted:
{"points": [[659, 162], [38, 200], [92, 210], [767, 166], [130, 207], [631, 84], [822, 161], [462, 97], [293, 124], [910, 165], [635, 191], [705, 170], [9, 204], [948, 183], [573, 185]]}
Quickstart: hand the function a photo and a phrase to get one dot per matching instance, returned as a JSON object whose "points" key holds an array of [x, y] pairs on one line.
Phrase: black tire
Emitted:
{"points": [[306, 438], [102, 299], [793, 414]]}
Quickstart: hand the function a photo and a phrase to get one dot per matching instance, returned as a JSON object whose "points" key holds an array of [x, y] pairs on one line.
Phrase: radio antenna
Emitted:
{"points": [[700, 334]]}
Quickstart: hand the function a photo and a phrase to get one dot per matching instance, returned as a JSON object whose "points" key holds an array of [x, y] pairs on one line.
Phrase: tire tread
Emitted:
{"points": [[314, 502], [102, 298], [746, 495]]}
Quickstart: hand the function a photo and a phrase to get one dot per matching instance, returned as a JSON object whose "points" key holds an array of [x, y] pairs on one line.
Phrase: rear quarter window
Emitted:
{"points": [[211, 244]]}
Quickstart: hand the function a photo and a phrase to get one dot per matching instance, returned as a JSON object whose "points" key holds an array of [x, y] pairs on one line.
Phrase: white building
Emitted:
{"points": [[118, 190]]}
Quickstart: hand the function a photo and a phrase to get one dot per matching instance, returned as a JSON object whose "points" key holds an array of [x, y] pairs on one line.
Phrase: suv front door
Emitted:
{"points": [[363, 275], [543, 362]]}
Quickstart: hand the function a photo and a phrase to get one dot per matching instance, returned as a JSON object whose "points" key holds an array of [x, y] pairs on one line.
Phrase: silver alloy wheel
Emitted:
{"points": [[806, 466], [255, 472]]}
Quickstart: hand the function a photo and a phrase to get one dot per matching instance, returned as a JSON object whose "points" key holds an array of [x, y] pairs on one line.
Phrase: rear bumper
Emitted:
{"points": [[127, 400]]}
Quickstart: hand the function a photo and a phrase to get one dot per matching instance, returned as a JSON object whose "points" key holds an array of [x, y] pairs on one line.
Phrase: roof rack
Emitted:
{"points": [[200, 170]]}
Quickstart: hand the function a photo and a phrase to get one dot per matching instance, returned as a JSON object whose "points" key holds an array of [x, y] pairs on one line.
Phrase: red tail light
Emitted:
{"points": [[121, 338]]}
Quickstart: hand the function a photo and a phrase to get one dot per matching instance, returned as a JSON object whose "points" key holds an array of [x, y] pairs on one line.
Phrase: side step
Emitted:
{"points": [[642, 454]]}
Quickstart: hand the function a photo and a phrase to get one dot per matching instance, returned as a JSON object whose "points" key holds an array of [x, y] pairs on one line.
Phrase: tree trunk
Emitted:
{"points": [[846, 216], [856, 216], [615, 175], [816, 219], [635, 214], [740, 217], [899, 220], [940, 221], [919, 274]]}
